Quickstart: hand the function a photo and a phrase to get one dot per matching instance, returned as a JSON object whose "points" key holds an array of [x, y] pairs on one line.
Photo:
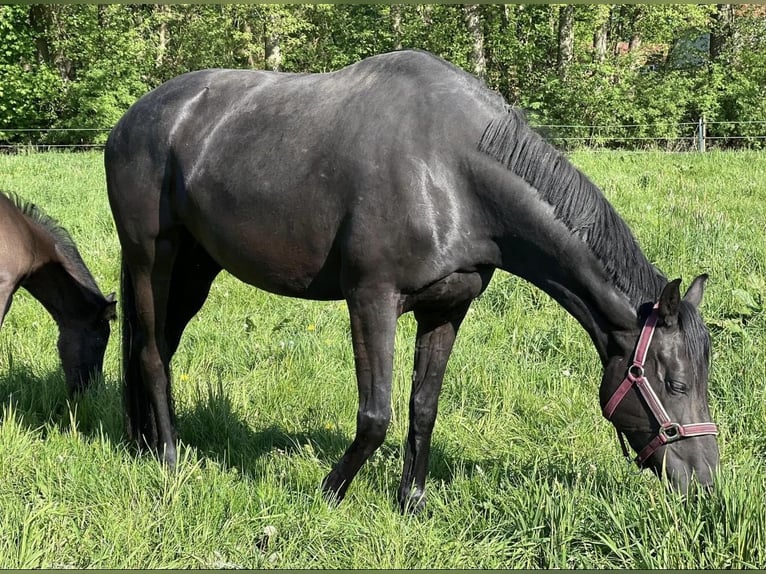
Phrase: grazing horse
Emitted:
{"points": [[40, 256], [399, 183]]}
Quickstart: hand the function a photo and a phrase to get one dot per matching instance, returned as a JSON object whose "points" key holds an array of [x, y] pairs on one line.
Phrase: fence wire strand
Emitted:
{"points": [[599, 136]]}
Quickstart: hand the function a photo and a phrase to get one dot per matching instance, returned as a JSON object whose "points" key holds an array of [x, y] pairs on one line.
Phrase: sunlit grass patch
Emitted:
{"points": [[524, 471]]}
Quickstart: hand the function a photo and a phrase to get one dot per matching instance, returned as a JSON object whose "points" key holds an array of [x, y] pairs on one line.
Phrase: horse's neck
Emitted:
{"points": [[537, 246], [605, 313]]}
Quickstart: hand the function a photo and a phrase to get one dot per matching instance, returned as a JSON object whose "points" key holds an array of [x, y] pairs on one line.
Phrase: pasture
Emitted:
{"points": [[525, 473]]}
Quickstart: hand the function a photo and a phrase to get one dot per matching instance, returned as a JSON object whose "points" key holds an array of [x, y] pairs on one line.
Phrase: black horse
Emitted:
{"points": [[39, 255], [399, 184]]}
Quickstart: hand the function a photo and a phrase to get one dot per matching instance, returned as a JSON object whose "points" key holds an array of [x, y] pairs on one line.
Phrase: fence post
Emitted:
{"points": [[701, 128]]}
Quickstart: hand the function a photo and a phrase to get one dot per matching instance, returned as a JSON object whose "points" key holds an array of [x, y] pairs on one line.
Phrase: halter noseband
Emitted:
{"points": [[669, 431]]}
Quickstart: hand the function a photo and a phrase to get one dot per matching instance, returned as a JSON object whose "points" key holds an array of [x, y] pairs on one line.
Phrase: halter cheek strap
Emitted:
{"points": [[669, 431]]}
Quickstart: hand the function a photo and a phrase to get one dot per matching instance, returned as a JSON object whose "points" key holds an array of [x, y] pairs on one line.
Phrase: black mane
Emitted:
{"points": [[576, 201], [696, 341], [60, 236]]}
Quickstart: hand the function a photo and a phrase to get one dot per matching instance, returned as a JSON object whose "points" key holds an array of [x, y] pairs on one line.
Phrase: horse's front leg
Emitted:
{"points": [[373, 313], [435, 338]]}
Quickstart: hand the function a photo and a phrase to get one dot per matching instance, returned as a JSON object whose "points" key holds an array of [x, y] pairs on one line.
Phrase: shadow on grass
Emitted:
{"points": [[218, 433], [41, 402]]}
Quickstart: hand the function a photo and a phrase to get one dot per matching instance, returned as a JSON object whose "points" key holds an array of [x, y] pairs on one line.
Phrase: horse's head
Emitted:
{"points": [[656, 395], [82, 345]]}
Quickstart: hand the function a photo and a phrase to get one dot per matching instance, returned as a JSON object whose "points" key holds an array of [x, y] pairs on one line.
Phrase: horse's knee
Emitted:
{"points": [[153, 371], [372, 426]]}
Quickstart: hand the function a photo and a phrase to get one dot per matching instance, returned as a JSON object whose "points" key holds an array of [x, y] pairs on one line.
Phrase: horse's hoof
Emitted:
{"points": [[413, 502], [334, 488], [169, 458]]}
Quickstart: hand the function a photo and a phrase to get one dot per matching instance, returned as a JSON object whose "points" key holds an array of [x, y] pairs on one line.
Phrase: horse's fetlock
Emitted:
{"points": [[334, 487], [412, 500]]}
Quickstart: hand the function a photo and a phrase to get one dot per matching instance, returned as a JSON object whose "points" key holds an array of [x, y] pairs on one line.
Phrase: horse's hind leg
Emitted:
{"points": [[373, 315], [147, 373], [139, 416], [435, 338], [193, 274]]}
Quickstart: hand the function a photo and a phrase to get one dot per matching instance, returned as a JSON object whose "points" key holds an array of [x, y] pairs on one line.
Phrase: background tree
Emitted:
{"points": [[475, 27], [566, 37], [81, 66]]}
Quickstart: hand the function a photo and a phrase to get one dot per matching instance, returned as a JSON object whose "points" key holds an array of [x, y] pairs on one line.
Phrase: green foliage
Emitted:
{"points": [[108, 78], [81, 66], [29, 91], [744, 82], [524, 471], [324, 38]]}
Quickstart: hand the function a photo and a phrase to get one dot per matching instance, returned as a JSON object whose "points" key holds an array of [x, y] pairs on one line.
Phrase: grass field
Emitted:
{"points": [[524, 471]]}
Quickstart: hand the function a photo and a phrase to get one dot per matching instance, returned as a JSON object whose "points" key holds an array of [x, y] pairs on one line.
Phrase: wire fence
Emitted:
{"points": [[700, 136]]}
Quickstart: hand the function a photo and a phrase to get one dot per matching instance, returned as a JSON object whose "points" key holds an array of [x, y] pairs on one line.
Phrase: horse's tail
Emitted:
{"points": [[139, 421]]}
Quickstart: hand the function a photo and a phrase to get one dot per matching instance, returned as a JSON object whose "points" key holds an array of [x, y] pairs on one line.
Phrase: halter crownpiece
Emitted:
{"points": [[669, 431]]}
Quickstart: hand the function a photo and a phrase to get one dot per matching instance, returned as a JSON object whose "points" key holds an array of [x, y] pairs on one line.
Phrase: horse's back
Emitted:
{"points": [[297, 167], [379, 92]]}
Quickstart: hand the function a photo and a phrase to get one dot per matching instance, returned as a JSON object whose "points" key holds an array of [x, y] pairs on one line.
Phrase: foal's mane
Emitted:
{"points": [[65, 244], [576, 201]]}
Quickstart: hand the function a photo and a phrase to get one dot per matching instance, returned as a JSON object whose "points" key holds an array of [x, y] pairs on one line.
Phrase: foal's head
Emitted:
{"points": [[62, 282], [82, 343], [657, 395]]}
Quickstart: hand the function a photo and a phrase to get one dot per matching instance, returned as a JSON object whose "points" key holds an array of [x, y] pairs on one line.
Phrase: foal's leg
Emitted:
{"points": [[435, 337], [6, 296], [373, 315]]}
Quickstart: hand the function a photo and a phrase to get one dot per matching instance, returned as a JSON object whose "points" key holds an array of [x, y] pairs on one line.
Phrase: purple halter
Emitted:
{"points": [[669, 431]]}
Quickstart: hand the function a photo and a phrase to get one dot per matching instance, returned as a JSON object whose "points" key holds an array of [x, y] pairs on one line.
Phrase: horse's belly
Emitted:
{"points": [[280, 266]]}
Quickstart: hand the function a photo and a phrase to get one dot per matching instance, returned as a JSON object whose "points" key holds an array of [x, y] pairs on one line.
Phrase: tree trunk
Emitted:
{"points": [[426, 16], [601, 36], [566, 37], [43, 19], [40, 19], [472, 17], [245, 51], [721, 30], [272, 48], [637, 13], [396, 25], [163, 13]]}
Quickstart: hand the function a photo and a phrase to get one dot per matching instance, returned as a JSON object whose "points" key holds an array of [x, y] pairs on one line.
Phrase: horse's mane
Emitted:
{"points": [[60, 236], [697, 339], [576, 201]]}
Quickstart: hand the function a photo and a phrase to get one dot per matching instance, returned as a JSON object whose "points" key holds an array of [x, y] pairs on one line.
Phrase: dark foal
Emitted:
{"points": [[399, 184], [40, 256]]}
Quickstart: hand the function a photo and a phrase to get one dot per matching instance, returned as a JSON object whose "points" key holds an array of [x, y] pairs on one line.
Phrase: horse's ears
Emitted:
{"points": [[696, 290], [109, 311], [670, 303]]}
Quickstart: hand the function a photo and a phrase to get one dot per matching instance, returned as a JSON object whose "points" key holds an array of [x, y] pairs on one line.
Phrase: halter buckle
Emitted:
{"points": [[636, 372], [671, 432]]}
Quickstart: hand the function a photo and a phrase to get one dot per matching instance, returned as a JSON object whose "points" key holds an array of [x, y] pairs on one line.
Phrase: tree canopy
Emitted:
{"points": [[654, 68]]}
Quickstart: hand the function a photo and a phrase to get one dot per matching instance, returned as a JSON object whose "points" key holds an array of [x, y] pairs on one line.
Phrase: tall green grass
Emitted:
{"points": [[524, 471]]}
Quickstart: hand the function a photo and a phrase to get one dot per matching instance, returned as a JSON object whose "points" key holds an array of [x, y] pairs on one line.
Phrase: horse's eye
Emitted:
{"points": [[677, 387]]}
